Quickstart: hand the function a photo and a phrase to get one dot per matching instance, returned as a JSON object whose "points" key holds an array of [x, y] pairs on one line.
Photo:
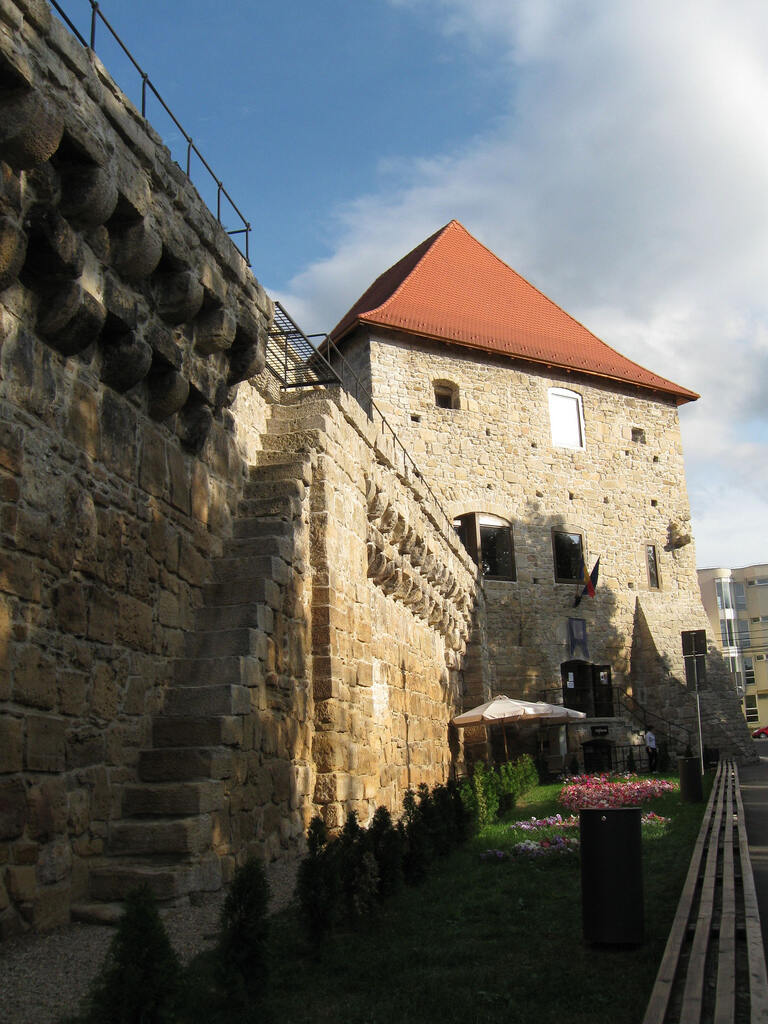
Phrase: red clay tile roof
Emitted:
{"points": [[451, 288]]}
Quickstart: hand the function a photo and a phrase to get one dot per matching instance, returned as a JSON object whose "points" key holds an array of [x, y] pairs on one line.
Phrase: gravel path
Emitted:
{"points": [[44, 977]]}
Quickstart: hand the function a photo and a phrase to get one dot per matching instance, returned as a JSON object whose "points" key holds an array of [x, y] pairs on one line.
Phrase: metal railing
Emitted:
{"points": [[147, 86], [295, 360]]}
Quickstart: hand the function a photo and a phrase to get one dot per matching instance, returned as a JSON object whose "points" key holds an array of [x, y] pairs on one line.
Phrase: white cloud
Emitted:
{"points": [[625, 177]]}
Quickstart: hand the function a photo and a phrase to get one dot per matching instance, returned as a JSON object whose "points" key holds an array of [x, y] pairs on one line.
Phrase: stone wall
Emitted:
{"points": [[393, 605]]}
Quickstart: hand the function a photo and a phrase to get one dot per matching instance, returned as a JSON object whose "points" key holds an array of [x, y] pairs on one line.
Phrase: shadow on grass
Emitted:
{"points": [[491, 942]]}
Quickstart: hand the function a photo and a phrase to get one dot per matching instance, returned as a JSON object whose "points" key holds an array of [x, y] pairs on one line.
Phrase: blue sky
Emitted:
{"points": [[615, 154]]}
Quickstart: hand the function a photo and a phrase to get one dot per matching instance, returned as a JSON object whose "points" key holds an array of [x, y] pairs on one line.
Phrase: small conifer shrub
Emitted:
{"points": [[140, 980]]}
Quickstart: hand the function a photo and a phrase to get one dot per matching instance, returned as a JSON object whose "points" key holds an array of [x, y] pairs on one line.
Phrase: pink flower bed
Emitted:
{"points": [[601, 791]]}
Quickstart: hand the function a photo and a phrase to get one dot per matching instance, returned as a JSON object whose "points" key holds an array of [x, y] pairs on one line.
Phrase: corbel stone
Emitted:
{"points": [[168, 391], [370, 490], [418, 553], [403, 586], [178, 296], [88, 193], [136, 248], [10, 188], [247, 361], [407, 541], [378, 505], [194, 425], [70, 318], [53, 248], [13, 248], [389, 519], [214, 330], [386, 574], [30, 128], [399, 529], [125, 360]]}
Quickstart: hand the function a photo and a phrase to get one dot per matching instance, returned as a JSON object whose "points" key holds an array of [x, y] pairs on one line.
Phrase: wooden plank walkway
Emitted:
{"points": [[713, 968]]}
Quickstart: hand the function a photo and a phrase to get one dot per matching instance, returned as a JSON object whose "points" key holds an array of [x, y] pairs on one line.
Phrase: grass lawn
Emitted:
{"points": [[486, 941]]}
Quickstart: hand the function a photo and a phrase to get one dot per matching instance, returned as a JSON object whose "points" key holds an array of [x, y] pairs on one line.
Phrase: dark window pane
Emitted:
{"points": [[497, 558], [568, 556]]}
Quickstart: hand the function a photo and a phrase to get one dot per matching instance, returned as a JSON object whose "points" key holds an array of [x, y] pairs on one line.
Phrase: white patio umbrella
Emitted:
{"points": [[506, 709]]}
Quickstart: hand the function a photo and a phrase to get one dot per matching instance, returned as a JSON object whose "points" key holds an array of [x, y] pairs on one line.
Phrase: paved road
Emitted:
{"points": [[754, 794]]}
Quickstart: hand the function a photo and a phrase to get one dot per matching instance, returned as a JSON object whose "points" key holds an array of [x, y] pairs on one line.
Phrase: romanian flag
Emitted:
{"points": [[590, 581]]}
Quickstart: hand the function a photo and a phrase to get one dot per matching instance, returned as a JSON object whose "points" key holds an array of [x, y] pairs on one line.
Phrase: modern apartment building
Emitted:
{"points": [[736, 602]]}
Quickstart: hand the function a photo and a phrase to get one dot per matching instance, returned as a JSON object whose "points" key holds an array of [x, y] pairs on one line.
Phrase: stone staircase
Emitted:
{"points": [[179, 829]]}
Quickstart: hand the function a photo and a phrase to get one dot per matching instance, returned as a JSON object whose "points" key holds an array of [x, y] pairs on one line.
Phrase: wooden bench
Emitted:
{"points": [[713, 968]]}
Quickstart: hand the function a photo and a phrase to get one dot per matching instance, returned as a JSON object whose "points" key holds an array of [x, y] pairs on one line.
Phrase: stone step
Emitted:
{"points": [[279, 466], [295, 442], [238, 592], [172, 798], [114, 881], [96, 913], [284, 506], [223, 643], [257, 490], [235, 616], [226, 570], [185, 764], [160, 836], [301, 412], [267, 544], [221, 671], [190, 731], [251, 528], [238, 670], [192, 701]]}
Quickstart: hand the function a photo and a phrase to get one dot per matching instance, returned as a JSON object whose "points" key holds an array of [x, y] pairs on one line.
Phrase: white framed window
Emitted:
{"points": [[566, 418]]}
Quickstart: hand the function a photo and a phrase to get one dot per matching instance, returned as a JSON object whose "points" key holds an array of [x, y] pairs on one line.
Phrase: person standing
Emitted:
{"points": [[650, 747]]}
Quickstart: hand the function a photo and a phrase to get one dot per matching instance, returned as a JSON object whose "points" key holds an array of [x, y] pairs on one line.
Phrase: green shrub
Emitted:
{"points": [[242, 942], [462, 816], [485, 783], [318, 884], [140, 980], [387, 848], [417, 851], [358, 870]]}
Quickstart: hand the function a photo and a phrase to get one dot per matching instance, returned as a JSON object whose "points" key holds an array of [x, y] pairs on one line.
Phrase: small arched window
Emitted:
{"points": [[446, 394], [488, 539], [566, 418]]}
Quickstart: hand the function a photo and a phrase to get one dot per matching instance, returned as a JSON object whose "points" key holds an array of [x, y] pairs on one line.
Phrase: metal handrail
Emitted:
{"points": [[146, 83], [305, 363]]}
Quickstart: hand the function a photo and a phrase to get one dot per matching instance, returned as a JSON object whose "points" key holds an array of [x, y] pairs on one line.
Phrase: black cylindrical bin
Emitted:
{"points": [[689, 769], [611, 876]]}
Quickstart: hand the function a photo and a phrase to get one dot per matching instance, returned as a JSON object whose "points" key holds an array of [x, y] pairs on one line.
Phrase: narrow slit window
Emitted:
{"points": [[652, 562]]}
